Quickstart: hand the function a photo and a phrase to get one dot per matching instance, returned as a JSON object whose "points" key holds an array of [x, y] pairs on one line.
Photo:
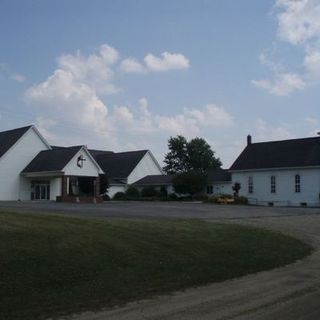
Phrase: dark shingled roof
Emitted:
{"points": [[10, 137], [219, 175], [279, 154], [155, 180], [52, 160], [118, 165]]}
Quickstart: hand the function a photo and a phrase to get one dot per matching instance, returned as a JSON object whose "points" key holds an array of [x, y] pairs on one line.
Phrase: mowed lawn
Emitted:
{"points": [[53, 265]]}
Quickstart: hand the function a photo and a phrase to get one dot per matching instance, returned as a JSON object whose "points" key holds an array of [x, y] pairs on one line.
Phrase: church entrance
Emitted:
{"points": [[40, 190]]}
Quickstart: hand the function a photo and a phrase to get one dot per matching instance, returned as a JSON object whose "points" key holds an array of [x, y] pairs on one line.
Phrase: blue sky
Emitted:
{"points": [[122, 75]]}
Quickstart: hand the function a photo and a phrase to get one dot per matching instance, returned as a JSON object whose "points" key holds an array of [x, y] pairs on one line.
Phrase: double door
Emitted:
{"points": [[40, 190]]}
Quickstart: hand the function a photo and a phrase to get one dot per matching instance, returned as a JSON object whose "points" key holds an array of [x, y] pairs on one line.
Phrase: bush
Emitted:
{"points": [[105, 197], [132, 193], [200, 197], [173, 197], [119, 196], [149, 192], [241, 200]]}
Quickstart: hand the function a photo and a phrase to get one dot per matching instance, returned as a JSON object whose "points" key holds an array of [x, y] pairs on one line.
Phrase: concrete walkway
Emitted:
{"points": [[291, 292]]}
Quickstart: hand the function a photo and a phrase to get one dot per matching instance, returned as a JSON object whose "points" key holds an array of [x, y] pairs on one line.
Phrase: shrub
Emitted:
{"points": [[173, 197], [163, 192], [241, 200], [149, 192], [119, 196], [200, 197], [132, 193], [105, 197]]}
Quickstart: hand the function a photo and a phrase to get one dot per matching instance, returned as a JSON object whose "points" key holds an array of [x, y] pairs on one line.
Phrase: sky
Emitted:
{"points": [[123, 75]]}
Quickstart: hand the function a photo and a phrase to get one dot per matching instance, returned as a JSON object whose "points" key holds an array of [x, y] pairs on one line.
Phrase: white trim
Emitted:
{"points": [[41, 137], [42, 174]]}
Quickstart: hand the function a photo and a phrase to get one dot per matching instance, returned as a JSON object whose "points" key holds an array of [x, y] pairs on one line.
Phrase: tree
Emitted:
{"points": [[236, 188], [184, 156], [189, 182], [176, 158], [200, 156]]}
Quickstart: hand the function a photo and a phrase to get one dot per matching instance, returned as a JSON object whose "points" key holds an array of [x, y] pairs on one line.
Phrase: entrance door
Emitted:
{"points": [[40, 190]]}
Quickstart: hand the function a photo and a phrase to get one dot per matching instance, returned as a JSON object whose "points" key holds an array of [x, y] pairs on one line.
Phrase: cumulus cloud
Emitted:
{"points": [[264, 131], [299, 20], [282, 85], [131, 65], [298, 25], [167, 61]]}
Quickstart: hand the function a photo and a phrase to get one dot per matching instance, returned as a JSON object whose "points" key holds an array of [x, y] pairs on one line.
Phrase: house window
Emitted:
{"points": [[209, 189], [273, 184], [297, 183], [250, 185]]}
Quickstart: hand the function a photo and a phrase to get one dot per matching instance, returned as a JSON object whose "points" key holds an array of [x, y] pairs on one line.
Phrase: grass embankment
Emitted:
{"points": [[52, 265]]}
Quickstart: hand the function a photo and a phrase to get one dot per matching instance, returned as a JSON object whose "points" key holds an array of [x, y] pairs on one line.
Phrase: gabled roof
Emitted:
{"points": [[10, 137], [120, 164], [155, 180], [52, 160], [279, 154], [219, 175]]}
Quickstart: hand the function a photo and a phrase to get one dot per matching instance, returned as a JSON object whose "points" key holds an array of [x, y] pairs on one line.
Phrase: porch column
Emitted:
{"points": [[97, 187], [64, 187]]}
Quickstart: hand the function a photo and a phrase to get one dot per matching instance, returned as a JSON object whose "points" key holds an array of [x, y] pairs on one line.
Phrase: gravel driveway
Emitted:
{"points": [[291, 292]]}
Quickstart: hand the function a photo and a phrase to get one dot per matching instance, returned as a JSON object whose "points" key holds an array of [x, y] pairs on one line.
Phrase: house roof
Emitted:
{"points": [[52, 160], [10, 137], [155, 180], [279, 154], [118, 165], [219, 175]]}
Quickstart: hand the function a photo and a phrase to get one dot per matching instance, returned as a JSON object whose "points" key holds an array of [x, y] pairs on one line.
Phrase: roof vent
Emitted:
{"points": [[249, 139]]}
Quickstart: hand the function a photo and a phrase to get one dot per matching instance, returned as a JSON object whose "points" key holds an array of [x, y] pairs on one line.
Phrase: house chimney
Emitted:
{"points": [[249, 139]]}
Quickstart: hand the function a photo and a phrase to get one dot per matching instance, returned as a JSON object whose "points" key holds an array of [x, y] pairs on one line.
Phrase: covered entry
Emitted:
{"points": [[40, 190]]}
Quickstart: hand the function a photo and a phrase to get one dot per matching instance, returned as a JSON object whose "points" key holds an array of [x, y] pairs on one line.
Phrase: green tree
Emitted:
{"points": [[189, 182], [184, 156], [200, 156], [176, 159]]}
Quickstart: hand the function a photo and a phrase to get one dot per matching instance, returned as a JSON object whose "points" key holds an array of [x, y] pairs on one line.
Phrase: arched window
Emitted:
{"points": [[297, 183]]}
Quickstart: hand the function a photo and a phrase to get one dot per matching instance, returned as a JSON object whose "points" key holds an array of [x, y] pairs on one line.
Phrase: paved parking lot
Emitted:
{"points": [[291, 292]]}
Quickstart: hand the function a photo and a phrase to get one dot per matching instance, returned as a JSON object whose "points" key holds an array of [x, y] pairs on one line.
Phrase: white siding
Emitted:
{"points": [[146, 166], [112, 190], [285, 186], [89, 169], [55, 188], [12, 185], [221, 188]]}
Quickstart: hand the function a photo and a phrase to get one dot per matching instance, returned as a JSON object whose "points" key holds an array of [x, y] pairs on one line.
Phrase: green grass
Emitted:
{"points": [[52, 266]]}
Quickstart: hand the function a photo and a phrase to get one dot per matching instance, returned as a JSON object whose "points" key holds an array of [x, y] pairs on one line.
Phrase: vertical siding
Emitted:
{"points": [[12, 185]]}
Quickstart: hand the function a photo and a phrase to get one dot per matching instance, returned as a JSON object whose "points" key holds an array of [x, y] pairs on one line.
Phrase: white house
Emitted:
{"points": [[280, 173], [32, 169]]}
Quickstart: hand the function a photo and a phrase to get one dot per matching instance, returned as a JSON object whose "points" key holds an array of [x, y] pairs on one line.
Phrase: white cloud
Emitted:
{"points": [[298, 25], [94, 70], [131, 65], [283, 84], [167, 61], [299, 20], [268, 132], [312, 120]]}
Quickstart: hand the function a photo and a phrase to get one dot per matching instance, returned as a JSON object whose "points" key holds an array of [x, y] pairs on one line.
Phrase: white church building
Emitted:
{"points": [[279, 173], [32, 169]]}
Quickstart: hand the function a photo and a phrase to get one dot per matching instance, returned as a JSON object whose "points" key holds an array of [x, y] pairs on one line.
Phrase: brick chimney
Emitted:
{"points": [[249, 139]]}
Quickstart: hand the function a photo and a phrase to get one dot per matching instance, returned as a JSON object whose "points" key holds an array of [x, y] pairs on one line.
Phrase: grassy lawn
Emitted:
{"points": [[51, 266]]}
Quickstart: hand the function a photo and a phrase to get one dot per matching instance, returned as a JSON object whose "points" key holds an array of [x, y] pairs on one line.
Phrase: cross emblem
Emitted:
{"points": [[80, 160]]}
